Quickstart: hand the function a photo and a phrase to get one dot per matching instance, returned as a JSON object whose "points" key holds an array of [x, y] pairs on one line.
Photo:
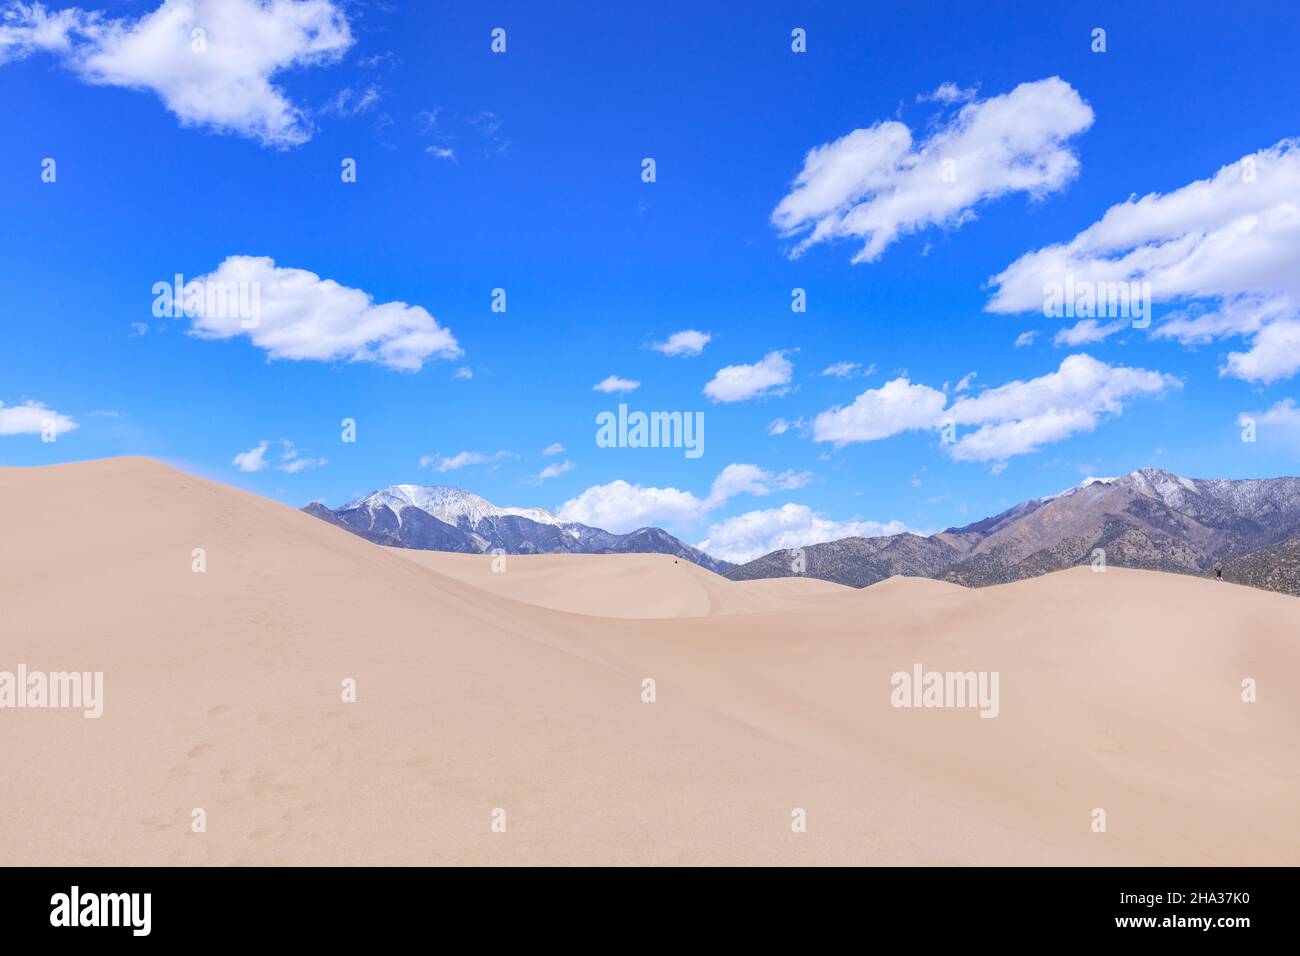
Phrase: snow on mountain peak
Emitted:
{"points": [[1086, 483], [446, 504], [1162, 485]]}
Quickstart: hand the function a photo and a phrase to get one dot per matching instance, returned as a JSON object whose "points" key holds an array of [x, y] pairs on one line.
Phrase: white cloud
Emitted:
{"points": [[291, 463], [683, 344], [841, 370], [1274, 351], [1087, 331], [780, 426], [752, 480], [460, 460], [876, 184], [1227, 245], [1022, 416], [897, 406], [32, 418], [463, 374], [948, 92], [226, 85], [302, 464], [621, 507], [1013, 419], [305, 317], [965, 383], [555, 448], [441, 152], [348, 102], [1026, 338], [756, 533], [613, 384], [737, 383], [1282, 421], [553, 470], [254, 460]]}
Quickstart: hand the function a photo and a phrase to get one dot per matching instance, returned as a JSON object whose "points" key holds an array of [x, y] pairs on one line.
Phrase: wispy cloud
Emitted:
{"points": [[289, 461], [464, 459]]}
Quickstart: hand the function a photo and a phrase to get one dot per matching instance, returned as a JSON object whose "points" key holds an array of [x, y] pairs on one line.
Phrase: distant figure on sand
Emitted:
{"points": [[1218, 574]]}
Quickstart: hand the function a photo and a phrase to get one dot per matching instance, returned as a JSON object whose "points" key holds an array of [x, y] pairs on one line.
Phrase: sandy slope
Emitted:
{"points": [[914, 588], [607, 585], [1118, 690]]}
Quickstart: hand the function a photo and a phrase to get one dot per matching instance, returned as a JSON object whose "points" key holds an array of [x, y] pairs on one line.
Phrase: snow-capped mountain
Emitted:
{"points": [[442, 518], [452, 505], [1149, 518]]}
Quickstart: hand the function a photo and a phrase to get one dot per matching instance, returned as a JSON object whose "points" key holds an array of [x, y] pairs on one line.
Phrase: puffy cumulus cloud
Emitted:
{"points": [[1012, 419], [464, 459], [876, 184], [33, 418], [756, 533], [255, 459], [295, 314], [1022, 416], [737, 383], [220, 79], [1227, 246], [620, 506], [613, 384], [897, 406], [683, 344]]}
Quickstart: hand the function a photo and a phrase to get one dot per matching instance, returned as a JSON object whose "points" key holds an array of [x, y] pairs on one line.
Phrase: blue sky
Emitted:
{"points": [[522, 170]]}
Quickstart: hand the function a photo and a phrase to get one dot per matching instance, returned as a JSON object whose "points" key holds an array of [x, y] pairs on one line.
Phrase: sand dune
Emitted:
{"points": [[913, 587], [1119, 691], [793, 587], [606, 585]]}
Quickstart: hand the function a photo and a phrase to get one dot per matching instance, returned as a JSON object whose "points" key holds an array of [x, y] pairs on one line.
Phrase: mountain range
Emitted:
{"points": [[1153, 519], [441, 518], [1247, 530]]}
